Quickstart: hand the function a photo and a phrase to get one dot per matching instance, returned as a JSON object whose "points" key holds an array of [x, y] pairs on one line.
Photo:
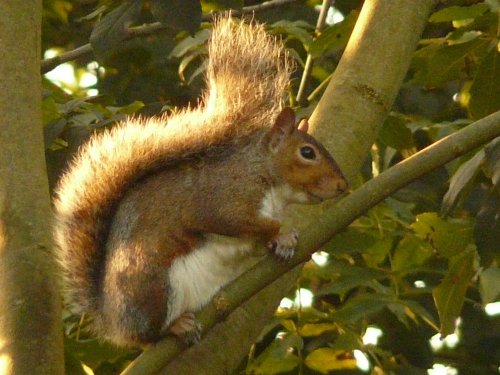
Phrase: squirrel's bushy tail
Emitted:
{"points": [[247, 72], [247, 76]]}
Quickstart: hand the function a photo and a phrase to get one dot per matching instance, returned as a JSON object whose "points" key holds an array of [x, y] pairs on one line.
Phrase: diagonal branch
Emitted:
{"points": [[333, 220], [139, 31]]}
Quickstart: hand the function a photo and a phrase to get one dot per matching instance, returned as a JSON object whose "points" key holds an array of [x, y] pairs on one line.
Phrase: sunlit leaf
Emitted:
{"points": [[190, 43], [455, 13], [449, 295], [316, 329], [214, 5], [327, 359]]}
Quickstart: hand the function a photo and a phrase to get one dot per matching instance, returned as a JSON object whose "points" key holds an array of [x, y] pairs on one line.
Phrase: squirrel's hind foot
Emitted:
{"points": [[187, 328], [283, 244]]}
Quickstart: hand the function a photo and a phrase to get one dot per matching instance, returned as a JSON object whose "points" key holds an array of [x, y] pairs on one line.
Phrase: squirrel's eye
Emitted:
{"points": [[308, 152]]}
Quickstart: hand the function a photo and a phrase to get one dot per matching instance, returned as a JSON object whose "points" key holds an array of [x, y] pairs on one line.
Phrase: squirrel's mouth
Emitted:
{"points": [[315, 198]]}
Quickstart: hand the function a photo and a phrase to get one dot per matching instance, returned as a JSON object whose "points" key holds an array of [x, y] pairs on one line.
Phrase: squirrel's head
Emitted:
{"points": [[301, 161]]}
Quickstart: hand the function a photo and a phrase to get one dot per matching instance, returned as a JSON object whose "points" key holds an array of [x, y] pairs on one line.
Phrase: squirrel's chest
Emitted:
{"points": [[277, 198]]}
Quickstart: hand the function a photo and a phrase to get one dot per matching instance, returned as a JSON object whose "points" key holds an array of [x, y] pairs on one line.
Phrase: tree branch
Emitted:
{"points": [[309, 61], [144, 30]]}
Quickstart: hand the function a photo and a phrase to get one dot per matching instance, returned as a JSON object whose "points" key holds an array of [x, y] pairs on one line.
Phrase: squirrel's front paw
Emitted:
{"points": [[187, 328], [283, 244]]}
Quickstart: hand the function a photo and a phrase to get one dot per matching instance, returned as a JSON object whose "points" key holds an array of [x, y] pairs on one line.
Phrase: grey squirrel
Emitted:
{"points": [[154, 216]]}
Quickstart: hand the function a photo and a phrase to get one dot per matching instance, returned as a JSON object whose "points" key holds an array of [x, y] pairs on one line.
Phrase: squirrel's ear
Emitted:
{"points": [[303, 125], [282, 128]]}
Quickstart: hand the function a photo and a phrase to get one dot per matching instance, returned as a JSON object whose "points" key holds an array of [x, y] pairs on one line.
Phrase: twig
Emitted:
{"points": [[309, 61], [332, 220], [319, 88], [48, 64]]}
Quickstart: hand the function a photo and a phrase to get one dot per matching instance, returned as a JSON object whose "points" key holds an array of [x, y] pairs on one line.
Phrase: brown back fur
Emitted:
{"points": [[247, 75]]}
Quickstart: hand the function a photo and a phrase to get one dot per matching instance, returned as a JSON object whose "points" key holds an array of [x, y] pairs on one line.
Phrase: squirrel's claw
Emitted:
{"points": [[283, 244], [187, 328]]}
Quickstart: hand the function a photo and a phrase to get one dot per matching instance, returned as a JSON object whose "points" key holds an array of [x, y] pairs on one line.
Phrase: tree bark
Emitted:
{"points": [[30, 314]]}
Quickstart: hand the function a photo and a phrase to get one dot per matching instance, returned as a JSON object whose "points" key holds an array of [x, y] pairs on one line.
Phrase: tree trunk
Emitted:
{"points": [[30, 314]]}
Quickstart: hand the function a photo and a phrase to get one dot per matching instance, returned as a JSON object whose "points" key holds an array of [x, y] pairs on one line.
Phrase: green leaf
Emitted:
{"points": [[190, 43], [450, 294], [294, 29], [217, 5], [422, 313], [346, 277], [457, 13], [463, 178], [52, 131], [127, 109], [395, 134], [111, 30], [492, 153], [348, 341], [93, 352], [316, 329], [278, 357], [187, 60], [325, 360], [487, 229], [489, 284], [436, 65], [350, 241], [376, 254], [177, 14], [360, 307], [448, 238], [334, 38], [484, 92], [411, 252]]}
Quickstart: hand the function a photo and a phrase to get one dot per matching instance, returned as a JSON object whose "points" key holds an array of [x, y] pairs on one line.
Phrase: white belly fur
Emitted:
{"points": [[195, 278]]}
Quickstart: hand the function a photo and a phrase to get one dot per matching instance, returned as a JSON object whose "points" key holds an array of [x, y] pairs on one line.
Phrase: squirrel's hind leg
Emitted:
{"points": [[187, 328]]}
